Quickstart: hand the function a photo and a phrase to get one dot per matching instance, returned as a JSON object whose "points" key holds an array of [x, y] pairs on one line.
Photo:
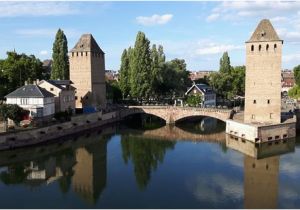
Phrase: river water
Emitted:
{"points": [[149, 165]]}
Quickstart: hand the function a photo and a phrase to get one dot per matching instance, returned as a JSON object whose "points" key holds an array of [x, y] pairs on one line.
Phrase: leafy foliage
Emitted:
{"points": [[294, 92], [297, 75], [113, 91], [145, 74], [13, 112], [60, 66], [16, 69], [194, 100], [228, 83]]}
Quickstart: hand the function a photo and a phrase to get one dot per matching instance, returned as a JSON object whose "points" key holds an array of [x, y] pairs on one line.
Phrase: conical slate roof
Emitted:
{"points": [[87, 43], [264, 32]]}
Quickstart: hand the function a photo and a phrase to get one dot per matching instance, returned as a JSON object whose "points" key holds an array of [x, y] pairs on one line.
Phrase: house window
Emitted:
{"points": [[254, 101], [252, 48], [75, 97], [24, 101]]}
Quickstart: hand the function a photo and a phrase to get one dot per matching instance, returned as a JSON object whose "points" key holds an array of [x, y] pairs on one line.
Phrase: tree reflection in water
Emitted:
{"points": [[145, 154]]}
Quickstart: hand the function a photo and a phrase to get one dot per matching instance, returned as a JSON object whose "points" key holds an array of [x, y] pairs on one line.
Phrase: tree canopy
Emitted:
{"points": [[16, 69], [145, 73], [60, 65]]}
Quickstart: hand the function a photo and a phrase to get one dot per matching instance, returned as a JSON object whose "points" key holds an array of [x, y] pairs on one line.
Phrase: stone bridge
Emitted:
{"points": [[171, 114]]}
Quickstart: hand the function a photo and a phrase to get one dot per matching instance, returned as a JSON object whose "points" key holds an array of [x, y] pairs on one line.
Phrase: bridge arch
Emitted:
{"points": [[172, 114]]}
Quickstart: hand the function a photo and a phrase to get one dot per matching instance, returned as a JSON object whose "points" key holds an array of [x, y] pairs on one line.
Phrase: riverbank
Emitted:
{"points": [[51, 134]]}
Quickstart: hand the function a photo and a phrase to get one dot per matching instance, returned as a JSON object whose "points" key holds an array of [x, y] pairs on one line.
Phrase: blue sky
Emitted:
{"points": [[198, 32]]}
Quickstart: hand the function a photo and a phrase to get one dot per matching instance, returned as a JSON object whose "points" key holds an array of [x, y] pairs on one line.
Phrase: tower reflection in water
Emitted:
{"points": [[261, 170], [79, 164]]}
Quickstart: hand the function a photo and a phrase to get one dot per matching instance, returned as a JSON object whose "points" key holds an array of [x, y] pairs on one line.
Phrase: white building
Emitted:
{"points": [[37, 100], [207, 93]]}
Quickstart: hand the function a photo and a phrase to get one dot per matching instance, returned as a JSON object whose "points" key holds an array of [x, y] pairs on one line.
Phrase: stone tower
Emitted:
{"points": [[87, 72], [263, 75]]}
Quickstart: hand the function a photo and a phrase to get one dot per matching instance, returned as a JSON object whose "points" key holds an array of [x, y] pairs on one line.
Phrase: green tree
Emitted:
{"points": [[13, 112], [124, 74], [225, 63], [18, 68], [297, 74], [140, 67], [194, 100], [113, 91], [60, 66]]}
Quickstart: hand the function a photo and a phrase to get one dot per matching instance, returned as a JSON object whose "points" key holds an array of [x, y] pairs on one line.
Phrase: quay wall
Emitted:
{"points": [[261, 133], [51, 133]]}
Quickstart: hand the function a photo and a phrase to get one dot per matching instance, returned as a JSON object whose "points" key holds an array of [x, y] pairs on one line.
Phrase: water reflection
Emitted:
{"points": [[122, 167], [261, 170], [79, 163], [145, 155]]}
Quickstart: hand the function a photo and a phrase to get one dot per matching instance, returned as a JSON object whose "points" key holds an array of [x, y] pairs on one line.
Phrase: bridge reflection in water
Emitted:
{"points": [[80, 163]]}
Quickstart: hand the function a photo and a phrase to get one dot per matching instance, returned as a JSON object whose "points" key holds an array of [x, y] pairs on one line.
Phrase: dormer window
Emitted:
{"points": [[263, 33]]}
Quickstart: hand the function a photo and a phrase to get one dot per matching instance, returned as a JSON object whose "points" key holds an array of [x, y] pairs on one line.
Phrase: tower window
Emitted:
{"points": [[271, 115], [77, 54], [259, 47], [81, 53], [253, 116], [252, 48], [267, 47], [86, 53], [72, 54], [268, 101], [254, 101], [275, 46]]}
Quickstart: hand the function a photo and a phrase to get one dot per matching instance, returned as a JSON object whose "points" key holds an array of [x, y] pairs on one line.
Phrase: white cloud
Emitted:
{"points": [[17, 9], [46, 32], [154, 19], [213, 48], [234, 10], [212, 17], [44, 52]]}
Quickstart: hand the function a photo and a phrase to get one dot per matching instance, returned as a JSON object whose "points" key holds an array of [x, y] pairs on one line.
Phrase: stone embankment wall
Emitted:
{"points": [[262, 133], [50, 133]]}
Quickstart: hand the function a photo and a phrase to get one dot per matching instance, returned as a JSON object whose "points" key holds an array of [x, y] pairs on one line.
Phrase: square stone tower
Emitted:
{"points": [[263, 75], [87, 72]]}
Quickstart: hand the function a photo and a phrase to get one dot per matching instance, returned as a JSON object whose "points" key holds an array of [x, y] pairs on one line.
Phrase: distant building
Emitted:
{"points": [[64, 93], [37, 100], [111, 75], [207, 93], [87, 72], [199, 75], [287, 81]]}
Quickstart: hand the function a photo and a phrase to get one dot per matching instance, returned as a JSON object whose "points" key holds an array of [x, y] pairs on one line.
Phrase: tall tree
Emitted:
{"points": [[140, 67], [60, 66], [225, 63], [124, 74], [297, 74]]}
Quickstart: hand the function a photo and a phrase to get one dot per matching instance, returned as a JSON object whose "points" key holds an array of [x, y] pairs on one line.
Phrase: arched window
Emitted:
{"points": [[77, 54], [267, 47], [259, 47], [81, 53], [252, 48], [275, 46]]}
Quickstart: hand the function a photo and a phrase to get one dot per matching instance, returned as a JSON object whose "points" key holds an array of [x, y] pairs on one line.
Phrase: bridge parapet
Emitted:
{"points": [[172, 113]]}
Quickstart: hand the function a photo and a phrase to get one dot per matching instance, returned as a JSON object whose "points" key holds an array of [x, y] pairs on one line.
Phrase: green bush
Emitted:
{"points": [[194, 100]]}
